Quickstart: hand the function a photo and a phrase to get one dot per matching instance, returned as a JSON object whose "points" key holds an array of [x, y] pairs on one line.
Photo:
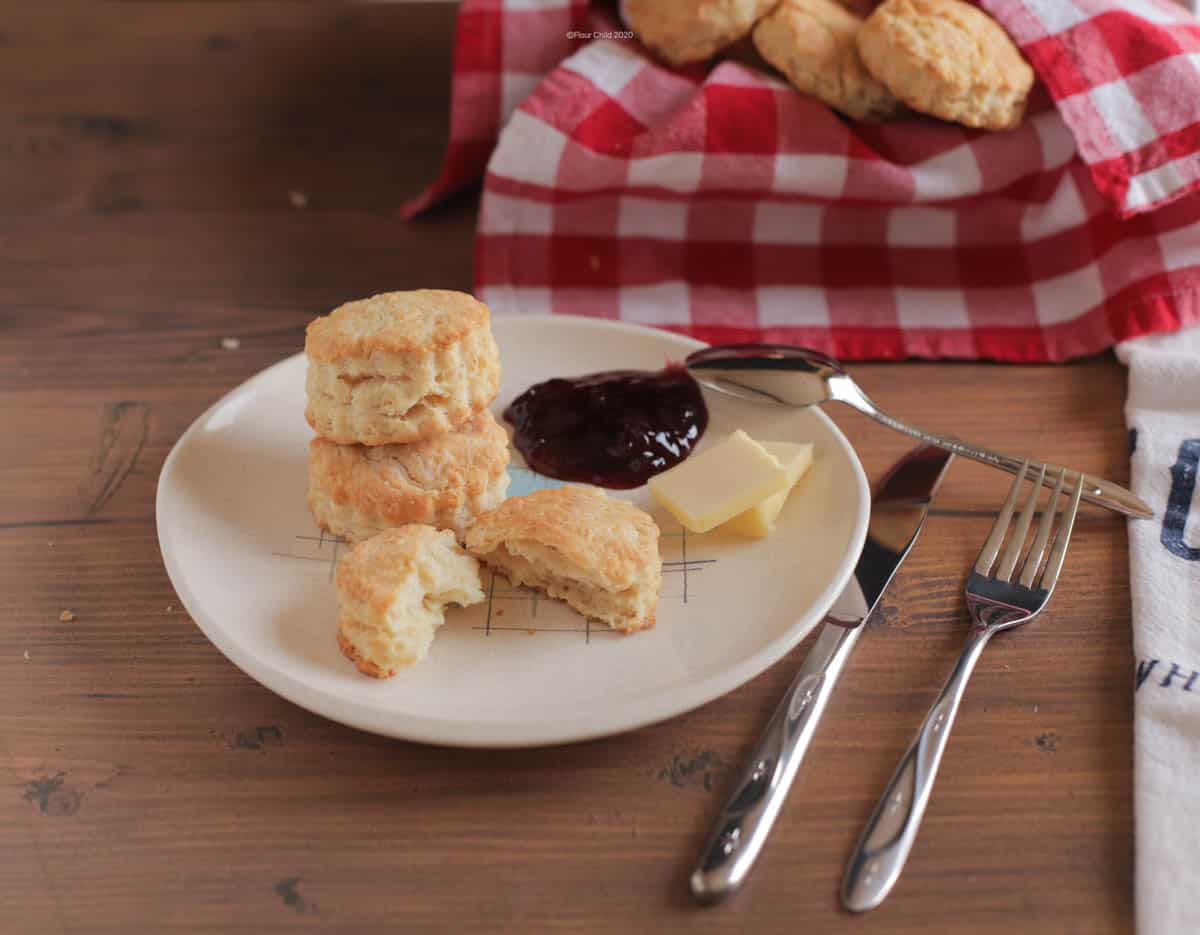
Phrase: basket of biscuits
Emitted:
{"points": [[913, 178], [945, 58]]}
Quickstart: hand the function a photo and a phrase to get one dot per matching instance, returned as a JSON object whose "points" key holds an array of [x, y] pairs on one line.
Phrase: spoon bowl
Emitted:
{"points": [[786, 375], [767, 373]]}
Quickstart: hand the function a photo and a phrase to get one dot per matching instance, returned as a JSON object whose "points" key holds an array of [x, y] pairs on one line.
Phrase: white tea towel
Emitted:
{"points": [[1163, 414]]}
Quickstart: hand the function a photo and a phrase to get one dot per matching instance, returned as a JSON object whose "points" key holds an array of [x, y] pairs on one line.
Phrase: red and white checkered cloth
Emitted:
{"points": [[728, 206]]}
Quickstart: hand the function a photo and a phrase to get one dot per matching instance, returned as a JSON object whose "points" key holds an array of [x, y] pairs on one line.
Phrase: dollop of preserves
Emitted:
{"points": [[615, 429]]}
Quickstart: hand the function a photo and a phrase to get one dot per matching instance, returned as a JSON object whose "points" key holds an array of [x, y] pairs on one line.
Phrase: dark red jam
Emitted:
{"points": [[615, 429]]}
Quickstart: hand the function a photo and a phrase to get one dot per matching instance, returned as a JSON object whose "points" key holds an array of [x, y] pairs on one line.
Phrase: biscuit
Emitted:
{"points": [[948, 59], [812, 43], [598, 554], [685, 31], [392, 592], [356, 491], [400, 367], [860, 8]]}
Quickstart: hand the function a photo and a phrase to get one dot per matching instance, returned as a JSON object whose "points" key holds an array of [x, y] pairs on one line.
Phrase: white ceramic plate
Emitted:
{"points": [[255, 573]]}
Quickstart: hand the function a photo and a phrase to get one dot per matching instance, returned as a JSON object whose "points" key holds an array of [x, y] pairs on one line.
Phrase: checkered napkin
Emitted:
{"points": [[723, 204]]}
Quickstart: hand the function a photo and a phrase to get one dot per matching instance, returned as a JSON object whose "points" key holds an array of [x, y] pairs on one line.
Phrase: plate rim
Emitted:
{"points": [[482, 735]]}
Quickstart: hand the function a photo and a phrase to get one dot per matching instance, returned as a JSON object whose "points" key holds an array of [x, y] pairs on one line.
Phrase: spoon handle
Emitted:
{"points": [[1096, 490]]}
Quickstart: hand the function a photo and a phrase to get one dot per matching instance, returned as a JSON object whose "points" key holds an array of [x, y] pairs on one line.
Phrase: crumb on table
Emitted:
{"points": [[66, 616]]}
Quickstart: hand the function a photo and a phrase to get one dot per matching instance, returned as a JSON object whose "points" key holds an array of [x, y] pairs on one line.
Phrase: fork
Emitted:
{"points": [[996, 601]]}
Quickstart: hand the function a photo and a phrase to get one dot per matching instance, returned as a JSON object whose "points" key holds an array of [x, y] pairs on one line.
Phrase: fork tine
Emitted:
{"points": [[987, 555], [1034, 561], [1055, 562], [1015, 544]]}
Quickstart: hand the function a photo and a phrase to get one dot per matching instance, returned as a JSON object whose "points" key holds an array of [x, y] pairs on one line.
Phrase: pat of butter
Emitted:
{"points": [[718, 484], [758, 521]]}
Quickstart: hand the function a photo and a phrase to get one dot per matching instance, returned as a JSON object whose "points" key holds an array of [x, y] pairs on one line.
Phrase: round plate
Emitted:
{"points": [[256, 574]]}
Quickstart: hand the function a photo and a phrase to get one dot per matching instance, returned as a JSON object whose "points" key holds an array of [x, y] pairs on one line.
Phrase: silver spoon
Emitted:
{"points": [[796, 376]]}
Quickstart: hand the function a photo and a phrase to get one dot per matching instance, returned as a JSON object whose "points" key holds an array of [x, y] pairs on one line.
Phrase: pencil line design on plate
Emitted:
{"points": [[682, 568], [331, 560]]}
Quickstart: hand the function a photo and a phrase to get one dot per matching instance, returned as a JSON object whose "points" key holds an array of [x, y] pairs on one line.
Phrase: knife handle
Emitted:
{"points": [[746, 820]]}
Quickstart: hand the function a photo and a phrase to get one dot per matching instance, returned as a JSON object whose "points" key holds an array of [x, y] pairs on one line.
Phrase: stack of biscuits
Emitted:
{"points": [[409, 463], [945, 58], [398, 392], [407, 455]]}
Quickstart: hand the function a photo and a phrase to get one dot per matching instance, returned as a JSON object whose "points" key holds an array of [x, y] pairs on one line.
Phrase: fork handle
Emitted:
{"points": [[888, 838]]}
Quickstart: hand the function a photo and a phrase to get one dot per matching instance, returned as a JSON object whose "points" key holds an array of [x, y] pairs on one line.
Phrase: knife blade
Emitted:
{"points": [[898, 511]]}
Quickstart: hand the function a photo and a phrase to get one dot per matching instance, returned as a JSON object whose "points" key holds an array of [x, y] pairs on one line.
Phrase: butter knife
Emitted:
{"points": [[898, 511]]}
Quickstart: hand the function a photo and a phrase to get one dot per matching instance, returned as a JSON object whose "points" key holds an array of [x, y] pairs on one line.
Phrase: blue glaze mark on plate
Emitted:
{"points": [[526, 481]]}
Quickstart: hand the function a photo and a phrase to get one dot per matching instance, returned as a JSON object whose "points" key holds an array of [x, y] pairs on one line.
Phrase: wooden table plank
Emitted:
{"points": [[149, 785]]}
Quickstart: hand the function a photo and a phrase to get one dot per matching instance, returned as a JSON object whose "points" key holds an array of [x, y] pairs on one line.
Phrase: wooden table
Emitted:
{"points": [[174, 175]]}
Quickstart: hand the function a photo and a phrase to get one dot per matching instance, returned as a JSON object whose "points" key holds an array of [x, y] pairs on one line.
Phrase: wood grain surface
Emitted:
{"points": [[175, 174]]}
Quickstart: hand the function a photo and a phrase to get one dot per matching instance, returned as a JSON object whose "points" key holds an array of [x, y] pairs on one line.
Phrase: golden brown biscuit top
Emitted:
{"points": [[377, 567], [420, 321], [813, 43], [684, 31], [826, 14], [612, 542], [678, 19], [956, 41]]}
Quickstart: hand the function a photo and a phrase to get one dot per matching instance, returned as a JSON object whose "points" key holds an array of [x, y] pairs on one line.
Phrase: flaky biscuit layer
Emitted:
{"points": [[392, 593], [595, 552], [356, 491]]}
